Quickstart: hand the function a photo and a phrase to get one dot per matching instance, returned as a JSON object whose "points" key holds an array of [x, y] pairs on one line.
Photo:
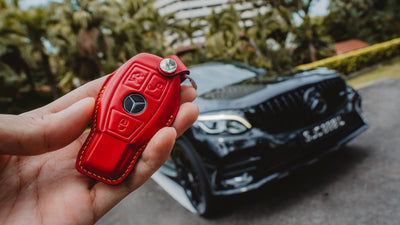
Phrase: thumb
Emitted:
{"points": [[27, 135]]}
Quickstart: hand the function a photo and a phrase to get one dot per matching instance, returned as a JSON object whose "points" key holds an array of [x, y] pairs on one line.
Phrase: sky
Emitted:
{"points": [[319, 7], [24, 4]]}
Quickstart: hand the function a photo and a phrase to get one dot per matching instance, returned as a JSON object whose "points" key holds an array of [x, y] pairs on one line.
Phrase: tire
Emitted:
{"points": [[192, 178]]}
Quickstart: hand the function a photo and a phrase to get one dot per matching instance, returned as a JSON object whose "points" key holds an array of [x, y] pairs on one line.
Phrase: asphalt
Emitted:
{"points": [[359, 184]]}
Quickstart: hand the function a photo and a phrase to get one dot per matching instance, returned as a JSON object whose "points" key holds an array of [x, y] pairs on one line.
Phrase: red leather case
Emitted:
{"points": [[123, 122]]}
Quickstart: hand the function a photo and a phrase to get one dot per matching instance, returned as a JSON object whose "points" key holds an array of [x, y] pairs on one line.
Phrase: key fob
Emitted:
{"points": [[138, 99]]}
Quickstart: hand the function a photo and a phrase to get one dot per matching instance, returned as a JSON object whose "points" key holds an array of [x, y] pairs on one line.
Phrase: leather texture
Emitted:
{"points": [[133, 104]]}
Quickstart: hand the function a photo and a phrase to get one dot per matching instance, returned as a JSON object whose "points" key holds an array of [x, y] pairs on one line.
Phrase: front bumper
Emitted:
{"points": [[248, 162]]}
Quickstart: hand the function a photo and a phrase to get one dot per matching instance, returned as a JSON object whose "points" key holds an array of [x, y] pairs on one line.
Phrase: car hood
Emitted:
{"points": [[258, 89]]}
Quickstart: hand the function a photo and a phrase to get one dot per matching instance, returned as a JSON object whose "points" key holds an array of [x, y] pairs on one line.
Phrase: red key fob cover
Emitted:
{"points": [[134, 102]]}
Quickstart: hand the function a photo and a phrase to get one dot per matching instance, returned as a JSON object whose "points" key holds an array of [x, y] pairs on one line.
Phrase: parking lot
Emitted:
{"points": [[359, 184]]}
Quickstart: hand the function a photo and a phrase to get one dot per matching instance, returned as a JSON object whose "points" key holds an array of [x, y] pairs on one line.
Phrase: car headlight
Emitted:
{"points": [[220, 123]]}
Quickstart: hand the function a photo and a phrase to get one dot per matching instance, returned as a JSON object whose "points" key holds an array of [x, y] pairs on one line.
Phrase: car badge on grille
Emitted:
{"points": [[315, 101]]}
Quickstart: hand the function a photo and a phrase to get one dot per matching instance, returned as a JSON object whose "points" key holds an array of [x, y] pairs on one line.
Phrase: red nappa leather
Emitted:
{"points": [[118, 136]]}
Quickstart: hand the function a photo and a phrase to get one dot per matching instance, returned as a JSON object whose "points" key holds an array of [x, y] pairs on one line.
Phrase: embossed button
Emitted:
{"points": [[136, 78], [156, 87], [122, 124]]}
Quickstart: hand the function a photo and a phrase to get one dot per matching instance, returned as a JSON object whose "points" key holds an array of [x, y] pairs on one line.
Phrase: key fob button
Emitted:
{"points": [[122, 125], [156, 87], [136, 78]]}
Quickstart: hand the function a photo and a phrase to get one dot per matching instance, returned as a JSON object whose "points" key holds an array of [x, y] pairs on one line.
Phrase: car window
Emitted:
{"points": [[217, 75]]}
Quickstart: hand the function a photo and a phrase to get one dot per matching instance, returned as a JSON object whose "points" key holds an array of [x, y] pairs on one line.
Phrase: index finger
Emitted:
{"points": [[90, 89]]}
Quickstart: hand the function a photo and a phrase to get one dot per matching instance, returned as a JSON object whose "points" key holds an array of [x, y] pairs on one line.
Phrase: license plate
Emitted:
{"points": [[323, 129]]}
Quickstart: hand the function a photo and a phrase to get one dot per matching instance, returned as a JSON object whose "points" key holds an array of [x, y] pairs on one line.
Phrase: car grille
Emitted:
{"points": [[289, 111]]}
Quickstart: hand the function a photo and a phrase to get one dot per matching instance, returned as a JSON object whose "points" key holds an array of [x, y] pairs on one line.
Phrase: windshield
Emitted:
{"points": [[210, 76]]}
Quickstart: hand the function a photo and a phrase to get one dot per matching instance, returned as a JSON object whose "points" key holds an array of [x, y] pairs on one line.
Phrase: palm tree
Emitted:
{"points": [[266, 28], [320, 41], [223, 40], [307, 34], [95, 37], [15, 59], [90, 42], [35, 22], [134, 27]]}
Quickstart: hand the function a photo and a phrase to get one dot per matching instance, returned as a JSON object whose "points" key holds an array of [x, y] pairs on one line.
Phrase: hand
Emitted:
{"points": [[38, 180]]}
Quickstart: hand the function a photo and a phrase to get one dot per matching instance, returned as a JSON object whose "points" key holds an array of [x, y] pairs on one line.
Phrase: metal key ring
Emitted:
{"points": [[191, 81]]}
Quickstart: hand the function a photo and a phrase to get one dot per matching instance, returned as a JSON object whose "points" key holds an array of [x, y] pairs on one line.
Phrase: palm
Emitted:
{"points": [[46, 189], [39, 182]]}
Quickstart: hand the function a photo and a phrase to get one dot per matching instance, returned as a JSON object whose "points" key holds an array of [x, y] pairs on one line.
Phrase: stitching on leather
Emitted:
{"points": [[90, 138], [168, 123], [170, 120]]}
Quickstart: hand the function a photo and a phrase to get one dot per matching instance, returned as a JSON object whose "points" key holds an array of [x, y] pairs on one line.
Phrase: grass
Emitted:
{"points": [[387, 70]]}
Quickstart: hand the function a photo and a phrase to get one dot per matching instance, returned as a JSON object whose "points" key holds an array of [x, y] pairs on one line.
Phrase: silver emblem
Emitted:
{"points": [[315, 101], [168, 65], [134, 103]]}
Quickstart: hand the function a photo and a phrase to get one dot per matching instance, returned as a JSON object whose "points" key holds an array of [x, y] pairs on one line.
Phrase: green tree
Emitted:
{"points": [[90, 42], [25, 62], [223, 37], [369, 20], [267, 37], [24, 33], [83, 39], [307, 38], [322, 42], [347, 18], [307, 34], [15, 60], [132, 27], [35, 24], [99, 36]]}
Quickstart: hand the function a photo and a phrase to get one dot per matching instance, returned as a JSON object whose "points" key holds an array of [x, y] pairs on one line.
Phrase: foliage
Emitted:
{"points": [[391, 70], [223, 41], [320, 41], [356, 60], [14, 51], [369, 20], [63, 44], [309, 42], [49, 47], [269, 43]]}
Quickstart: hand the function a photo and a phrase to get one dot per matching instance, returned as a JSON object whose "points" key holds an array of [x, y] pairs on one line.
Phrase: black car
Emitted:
{"points": [[253, 129]]}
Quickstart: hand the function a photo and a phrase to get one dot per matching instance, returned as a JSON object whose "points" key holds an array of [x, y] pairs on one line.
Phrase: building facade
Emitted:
{"points": [[184, 10]]}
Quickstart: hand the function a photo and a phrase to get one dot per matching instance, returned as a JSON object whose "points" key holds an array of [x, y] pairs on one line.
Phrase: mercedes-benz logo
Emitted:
{"points": [[134, 103], [315, 101]]}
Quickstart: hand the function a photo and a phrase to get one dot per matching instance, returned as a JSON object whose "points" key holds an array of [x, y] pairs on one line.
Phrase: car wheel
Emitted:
{"points": [[191, 177]]}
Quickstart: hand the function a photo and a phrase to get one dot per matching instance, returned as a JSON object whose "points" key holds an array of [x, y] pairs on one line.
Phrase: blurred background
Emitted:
{"points": [[48, 48]]}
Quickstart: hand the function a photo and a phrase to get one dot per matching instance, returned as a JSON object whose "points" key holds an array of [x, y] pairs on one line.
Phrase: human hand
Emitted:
{"points": [[38, 180]]}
